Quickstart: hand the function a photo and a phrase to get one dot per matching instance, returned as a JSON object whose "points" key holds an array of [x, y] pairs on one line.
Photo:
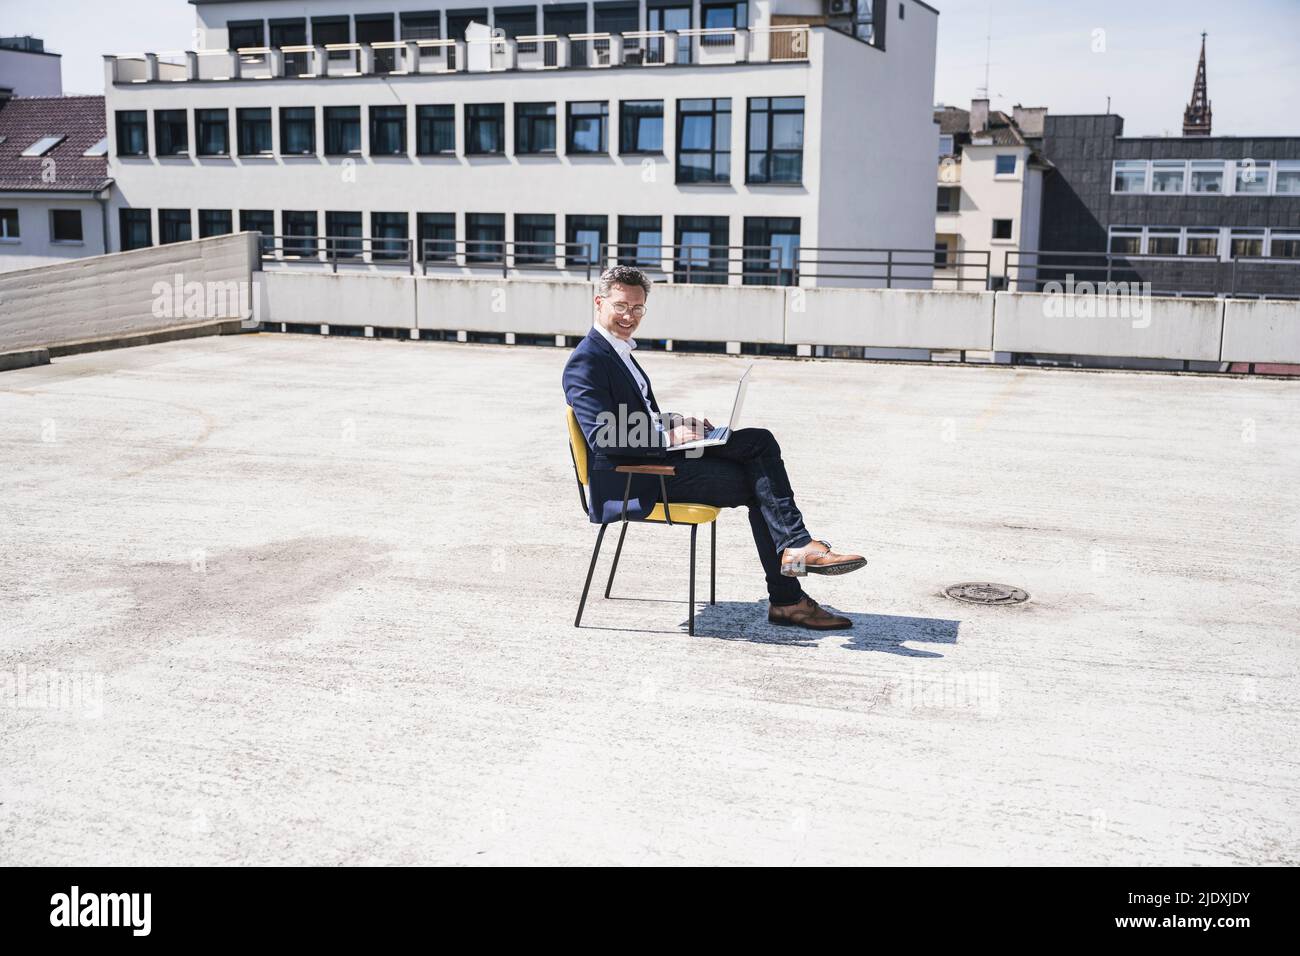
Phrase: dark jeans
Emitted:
{"points": [[748, 470]]}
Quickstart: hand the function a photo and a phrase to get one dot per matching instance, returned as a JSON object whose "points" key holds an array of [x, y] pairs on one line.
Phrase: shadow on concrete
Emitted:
{"points": [[747, 621]]}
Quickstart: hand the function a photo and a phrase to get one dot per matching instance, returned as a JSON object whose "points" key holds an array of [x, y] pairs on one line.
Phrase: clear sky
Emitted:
{"points": [[1068, 56]]}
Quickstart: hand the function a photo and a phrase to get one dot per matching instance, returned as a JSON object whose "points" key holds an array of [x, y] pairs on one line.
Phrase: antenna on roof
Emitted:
{"points": [[988, 50]]}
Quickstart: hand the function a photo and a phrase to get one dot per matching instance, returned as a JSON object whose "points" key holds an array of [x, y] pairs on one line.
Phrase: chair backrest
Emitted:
{"points": [[577, 446]]}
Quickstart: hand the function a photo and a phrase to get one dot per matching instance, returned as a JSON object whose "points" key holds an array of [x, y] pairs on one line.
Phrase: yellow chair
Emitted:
{"points": [[665, 512]]}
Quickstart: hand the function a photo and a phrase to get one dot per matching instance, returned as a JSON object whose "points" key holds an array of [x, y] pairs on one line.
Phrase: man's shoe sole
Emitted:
{"points": [[812, 627], [844, 568]]}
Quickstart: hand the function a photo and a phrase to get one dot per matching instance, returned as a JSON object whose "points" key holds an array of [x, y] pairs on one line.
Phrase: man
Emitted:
{"points": [[616, 408]]}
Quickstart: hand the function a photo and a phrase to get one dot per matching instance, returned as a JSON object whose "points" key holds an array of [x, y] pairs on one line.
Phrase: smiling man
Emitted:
{"points": [[604, 383]]}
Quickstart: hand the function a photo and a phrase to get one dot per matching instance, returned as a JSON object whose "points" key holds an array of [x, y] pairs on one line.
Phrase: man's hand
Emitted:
{"points": [[691, 429]]}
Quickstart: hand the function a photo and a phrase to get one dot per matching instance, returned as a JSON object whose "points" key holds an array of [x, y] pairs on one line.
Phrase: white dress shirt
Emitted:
{"points": [[624, 349]]}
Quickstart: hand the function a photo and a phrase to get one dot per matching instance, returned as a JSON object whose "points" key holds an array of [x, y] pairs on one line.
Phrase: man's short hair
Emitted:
{"points": [[622, 275]]}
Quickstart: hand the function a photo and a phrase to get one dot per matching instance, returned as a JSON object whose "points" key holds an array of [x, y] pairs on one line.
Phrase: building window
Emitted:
{"points": [[343, 235], [9, 224], [1004, 164], [534, 239], [43, 145], [1288, 179], [330, 30], [214, 222], [668, 19], [771, 251], [1246, 242], [640, 241], [517, 21], [725, 14], [299, 229], [1203, 242], [485, 129], [701, 249], [437, 236], [342, 130], [1130, 176], [291, 32], [435, 130], [1167, 176], [243, 34], [254, 130], [390, 232], [174, 226], [388, 131], [534, 128], [134, 229], [1207, 177], [945, 251], [485, 236], [1001, 228], [1126, 240], [459, 20], [65, 225], [172, 132], [945, 145], [586, 237], [641, 127], [213, 129], [704, 141], [775, 140], [378, 28], [949, 199], [298, 130], [259, 220], [1252, 177], [421, 26], [132, 133], [1163, 242], [1285, 245], [588, 128]]}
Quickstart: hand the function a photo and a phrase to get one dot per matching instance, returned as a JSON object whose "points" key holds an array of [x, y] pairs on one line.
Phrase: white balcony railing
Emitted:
{"points": [[639, 48]]}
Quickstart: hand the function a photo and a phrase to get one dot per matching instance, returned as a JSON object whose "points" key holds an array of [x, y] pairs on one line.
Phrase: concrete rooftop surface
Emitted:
{"points": [[317, 595]]}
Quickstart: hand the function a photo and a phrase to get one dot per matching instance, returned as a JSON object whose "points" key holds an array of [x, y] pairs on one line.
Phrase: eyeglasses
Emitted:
{"points": [[622, 308]]}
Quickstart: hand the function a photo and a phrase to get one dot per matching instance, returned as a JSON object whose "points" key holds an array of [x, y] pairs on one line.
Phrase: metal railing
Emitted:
{"points": [[635, 48], [339, 250], [680, 263], [969, 267], [780, 265], [1032, 270]]}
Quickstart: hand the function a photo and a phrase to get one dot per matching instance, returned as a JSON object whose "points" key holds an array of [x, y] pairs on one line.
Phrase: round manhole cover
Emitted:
{"points": [[982, 592]]}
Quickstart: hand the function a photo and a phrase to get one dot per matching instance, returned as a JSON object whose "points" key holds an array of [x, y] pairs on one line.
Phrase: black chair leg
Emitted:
{"points": [[713, 562], [691, 628], [595, 552], [617, 551]]}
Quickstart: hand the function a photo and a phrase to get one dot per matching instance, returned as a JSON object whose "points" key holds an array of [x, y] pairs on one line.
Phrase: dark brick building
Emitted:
{"points": [[1204, 200]]}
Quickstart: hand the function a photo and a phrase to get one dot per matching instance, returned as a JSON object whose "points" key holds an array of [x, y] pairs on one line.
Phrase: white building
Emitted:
{"points": [[28, 69], [990, 192], [652, 124], [54, 187]]}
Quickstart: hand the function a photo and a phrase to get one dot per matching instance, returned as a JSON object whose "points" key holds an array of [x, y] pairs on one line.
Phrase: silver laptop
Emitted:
{"points": [[719, 435]]}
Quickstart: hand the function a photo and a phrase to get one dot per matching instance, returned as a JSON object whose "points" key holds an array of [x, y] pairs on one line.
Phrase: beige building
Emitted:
{"points": [[989, 195]]}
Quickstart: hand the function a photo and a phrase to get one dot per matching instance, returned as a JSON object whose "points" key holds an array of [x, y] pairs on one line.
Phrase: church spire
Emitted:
{"points": [[1196, 118]]}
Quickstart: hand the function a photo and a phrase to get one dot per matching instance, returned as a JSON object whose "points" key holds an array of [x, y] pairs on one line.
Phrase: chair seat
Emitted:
{"points": [[685, 514]]}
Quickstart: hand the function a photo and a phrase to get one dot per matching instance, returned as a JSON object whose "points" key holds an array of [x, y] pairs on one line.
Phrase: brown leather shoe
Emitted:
{"points": [[810, 559], [807, 613]]}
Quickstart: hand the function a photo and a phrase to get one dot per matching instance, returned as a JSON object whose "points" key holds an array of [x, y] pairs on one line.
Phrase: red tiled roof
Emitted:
{"points": [[25, 119]]}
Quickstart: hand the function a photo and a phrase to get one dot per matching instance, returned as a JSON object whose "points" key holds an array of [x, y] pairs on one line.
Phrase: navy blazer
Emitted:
{"points": [[596, 381]]}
